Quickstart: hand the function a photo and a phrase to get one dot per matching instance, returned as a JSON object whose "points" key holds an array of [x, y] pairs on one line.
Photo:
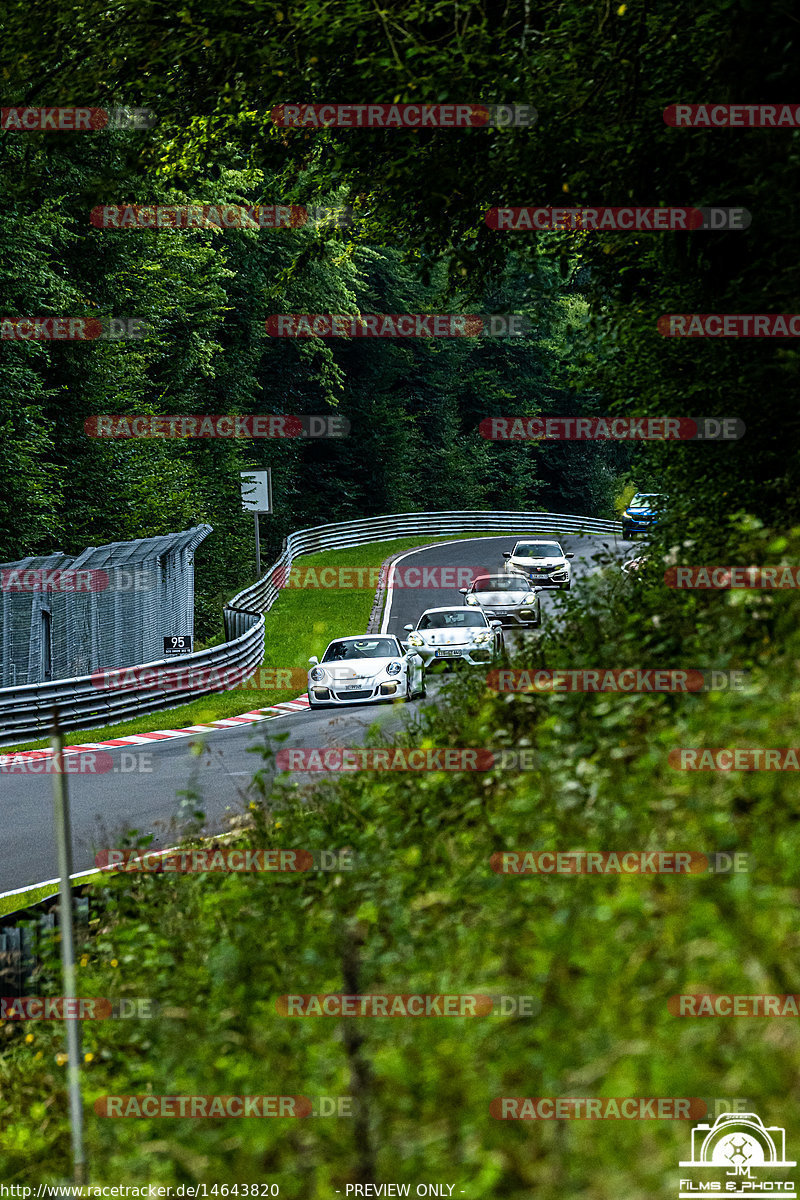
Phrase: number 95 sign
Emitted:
{"points": [[177, 645]]}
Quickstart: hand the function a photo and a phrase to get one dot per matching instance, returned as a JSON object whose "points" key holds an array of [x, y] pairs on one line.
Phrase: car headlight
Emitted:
{"points": [[394, 668], [471, 598], [317, 674], [530, 598], [484, 636], [414, 639]]}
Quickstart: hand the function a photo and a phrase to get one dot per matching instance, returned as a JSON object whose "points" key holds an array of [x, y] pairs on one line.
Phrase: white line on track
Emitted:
{"points": [[419, 550]]}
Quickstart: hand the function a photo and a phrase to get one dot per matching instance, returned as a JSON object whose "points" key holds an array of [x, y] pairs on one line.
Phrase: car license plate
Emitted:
{"points": [[448, 653], [351, 687]]}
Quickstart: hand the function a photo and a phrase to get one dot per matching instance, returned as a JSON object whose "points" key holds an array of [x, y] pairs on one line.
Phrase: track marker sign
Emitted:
{"points": [[177, 645]]}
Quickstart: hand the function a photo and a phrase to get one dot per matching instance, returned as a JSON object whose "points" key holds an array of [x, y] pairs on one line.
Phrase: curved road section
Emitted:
{"points": [[142, 788]]}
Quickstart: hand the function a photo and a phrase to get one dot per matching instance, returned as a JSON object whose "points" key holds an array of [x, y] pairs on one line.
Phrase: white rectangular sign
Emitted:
{"points": [[257, 491]]}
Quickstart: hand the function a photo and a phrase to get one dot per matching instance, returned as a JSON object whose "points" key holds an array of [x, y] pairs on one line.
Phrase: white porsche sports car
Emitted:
{"points": [[364, 670], [540, 562], [456, 635]]}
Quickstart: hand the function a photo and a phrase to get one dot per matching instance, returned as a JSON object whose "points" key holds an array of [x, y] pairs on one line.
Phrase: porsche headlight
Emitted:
{"points": [[484, 636], [530, 598], [414, 639], [394, 668], [471, 598], [317, 674]]}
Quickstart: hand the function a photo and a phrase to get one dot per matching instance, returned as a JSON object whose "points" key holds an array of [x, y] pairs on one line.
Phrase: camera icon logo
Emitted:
{"points": [[739, 1142]]}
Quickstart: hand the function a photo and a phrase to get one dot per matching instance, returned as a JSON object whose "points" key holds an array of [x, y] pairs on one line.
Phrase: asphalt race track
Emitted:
{"points": [[142, 790]]}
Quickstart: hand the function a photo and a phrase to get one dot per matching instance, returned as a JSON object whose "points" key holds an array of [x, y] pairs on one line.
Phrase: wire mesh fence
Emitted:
{"points": [[112, 606]]}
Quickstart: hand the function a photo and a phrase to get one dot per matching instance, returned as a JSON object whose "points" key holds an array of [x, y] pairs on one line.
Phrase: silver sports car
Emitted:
{"points": [[365, 669], [510, 599]]}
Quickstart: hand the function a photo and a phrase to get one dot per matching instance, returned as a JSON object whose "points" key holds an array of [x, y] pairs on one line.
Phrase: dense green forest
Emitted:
{"points": [[413, 406], [419, 242]]}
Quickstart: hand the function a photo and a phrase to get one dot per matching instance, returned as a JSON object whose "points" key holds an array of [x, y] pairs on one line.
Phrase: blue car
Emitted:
{"points": [[642, 513]]}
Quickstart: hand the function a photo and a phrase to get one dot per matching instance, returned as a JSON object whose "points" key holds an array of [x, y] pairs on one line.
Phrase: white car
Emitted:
{"points": [[456, 635], [542, 562], [364, 670]]}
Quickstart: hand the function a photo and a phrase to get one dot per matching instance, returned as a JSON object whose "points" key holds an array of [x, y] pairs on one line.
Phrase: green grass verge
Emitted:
{"points": [[299, 624], [11, 904]]}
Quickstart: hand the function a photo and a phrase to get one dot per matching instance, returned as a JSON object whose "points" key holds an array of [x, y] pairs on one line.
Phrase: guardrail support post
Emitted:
{"points": [[67, 940]]}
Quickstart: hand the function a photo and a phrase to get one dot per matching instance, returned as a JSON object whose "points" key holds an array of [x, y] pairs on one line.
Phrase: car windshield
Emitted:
{"points": [[538, 550], [455, 618], [653, 500], [500, 583], [361, 648]]}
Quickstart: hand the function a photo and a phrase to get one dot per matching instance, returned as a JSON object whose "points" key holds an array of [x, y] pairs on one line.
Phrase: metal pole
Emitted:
{"points": [[64, 844], [258, 548]]}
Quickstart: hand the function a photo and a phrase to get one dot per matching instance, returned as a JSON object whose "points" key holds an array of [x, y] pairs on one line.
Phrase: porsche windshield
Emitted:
{"points": [[538, 550], [452, 620], [361, 648], [501, 583]]}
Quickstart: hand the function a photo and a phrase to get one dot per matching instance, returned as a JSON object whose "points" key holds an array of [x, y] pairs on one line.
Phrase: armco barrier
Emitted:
{"points": [[262, 595], [26, 712]]}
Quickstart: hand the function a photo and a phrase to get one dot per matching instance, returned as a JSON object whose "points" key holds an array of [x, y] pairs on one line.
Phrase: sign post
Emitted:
{"points": [[64, 846], [257, 498]]}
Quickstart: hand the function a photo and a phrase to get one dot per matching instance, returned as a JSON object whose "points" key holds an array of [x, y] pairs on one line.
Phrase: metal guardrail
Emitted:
{"points": [[343, 534], [26, 712]]}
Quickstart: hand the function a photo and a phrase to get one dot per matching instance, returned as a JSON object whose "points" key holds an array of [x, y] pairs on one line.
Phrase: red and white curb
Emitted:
{"points": [[299, 704]]}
